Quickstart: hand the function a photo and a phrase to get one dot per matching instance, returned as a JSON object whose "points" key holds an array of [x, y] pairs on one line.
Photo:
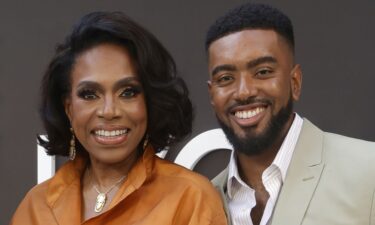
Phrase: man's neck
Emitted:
{"points": [[251, 167]]}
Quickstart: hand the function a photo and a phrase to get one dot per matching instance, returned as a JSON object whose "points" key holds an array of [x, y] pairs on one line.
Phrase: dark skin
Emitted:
{"points": [[106, 96], [251, 169], [253, 64]]}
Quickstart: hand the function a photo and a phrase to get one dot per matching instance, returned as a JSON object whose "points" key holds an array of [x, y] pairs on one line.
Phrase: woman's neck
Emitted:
{"points": [[104, 175]]}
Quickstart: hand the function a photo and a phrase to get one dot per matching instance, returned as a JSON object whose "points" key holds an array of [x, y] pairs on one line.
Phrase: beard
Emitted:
{"points": [[253, 144]]}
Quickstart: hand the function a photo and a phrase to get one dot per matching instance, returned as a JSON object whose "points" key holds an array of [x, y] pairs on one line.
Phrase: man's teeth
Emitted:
{"points": [[249, 113], [112, 133]]}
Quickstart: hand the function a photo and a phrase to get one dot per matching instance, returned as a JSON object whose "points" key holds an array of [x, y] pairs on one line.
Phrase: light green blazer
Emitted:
{"points": [[330, 181]]}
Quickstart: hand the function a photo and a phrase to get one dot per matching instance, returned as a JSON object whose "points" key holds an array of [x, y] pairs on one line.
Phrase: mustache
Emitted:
{"points": [[248, 101]]}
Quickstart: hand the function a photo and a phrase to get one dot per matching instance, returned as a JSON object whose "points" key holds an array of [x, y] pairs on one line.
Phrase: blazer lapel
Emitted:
{"points": [[302, 177]]}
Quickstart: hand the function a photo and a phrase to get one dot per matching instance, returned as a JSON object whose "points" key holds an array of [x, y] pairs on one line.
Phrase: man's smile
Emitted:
{"points": [[247, 114]]}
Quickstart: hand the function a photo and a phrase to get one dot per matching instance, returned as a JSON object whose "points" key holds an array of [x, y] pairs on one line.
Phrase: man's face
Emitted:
{"points": [[253, 83]]}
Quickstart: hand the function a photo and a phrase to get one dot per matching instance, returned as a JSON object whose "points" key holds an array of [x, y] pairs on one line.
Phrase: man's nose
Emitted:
{"points": [[246, 87]]}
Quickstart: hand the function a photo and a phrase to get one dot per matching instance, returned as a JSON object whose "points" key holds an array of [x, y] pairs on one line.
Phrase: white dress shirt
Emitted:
{"points": [[241, 198]]}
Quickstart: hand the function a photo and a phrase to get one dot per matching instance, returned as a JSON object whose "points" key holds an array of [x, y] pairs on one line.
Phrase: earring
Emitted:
{"points": [[72, 149], [145, 142]]}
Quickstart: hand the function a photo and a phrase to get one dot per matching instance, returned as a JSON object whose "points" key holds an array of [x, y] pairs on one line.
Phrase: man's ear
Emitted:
{"points": [[296, 82], [209, 85], [68, 107]]}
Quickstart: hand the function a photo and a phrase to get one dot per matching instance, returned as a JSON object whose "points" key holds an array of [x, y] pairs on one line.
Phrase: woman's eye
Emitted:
{"points": [[87, 94], [130, 92]]}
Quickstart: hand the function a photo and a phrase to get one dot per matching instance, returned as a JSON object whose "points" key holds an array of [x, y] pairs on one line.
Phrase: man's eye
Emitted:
{"points": [[224, 79], [263, 72], [87, 94], [130, 92]]}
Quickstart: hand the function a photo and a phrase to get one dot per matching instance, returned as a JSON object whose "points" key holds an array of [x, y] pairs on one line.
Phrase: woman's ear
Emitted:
{"points": [[68, 107]]}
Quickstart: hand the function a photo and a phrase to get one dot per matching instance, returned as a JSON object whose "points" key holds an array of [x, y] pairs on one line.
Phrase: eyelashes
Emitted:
{"points": [[91, 94], [87, 94], [129, 92]]}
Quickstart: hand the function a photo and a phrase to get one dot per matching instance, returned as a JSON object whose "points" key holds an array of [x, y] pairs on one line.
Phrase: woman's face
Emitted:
{"points": [[106, 106]]}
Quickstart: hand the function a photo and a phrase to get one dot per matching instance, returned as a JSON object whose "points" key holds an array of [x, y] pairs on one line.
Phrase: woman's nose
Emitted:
{"points": [[109, 109]]}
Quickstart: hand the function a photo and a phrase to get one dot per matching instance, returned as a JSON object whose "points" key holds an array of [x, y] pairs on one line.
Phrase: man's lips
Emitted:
{"points": [[248, 115]]}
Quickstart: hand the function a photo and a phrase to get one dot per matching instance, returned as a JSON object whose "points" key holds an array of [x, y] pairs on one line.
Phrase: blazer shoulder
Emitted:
{"points": [[221, 179], [349, 141], [336, 143], [342, 152], [347, 145]]}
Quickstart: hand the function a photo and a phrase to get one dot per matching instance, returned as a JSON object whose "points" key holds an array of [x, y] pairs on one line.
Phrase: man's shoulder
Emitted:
{"points": [[337, 140], [221, 179], [356, 152], [342, 141], [338, 148]]}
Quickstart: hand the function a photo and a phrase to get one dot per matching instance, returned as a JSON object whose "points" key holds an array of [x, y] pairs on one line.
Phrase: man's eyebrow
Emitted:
{"points": [[225, 67], [253, 63], [260, 60]]}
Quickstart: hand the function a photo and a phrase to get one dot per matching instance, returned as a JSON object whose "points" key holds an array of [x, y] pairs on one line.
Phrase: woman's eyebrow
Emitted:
{"points": [[125, 81], [90, 84], [119, 84]]}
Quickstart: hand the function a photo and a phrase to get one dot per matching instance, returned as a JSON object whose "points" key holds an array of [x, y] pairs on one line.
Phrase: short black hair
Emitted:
{"points": [[169, 107], [251, 16]]}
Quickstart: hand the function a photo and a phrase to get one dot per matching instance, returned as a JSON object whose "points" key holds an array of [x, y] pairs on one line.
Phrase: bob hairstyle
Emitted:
{"points": [[169, 108]]}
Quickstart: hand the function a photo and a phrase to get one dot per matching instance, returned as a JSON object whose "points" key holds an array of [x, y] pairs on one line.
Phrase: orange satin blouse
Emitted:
{"points": [[156, 192]]}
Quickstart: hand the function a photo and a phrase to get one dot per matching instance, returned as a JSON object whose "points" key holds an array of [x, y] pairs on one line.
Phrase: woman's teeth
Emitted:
{"points": [[112, 133], [248, 113]]}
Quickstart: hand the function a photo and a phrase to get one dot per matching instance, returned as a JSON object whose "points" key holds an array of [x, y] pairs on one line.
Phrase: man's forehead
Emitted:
{"points": [[245, 41], [249, 35]]}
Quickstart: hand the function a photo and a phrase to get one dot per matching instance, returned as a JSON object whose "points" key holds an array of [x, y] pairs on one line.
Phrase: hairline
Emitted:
{"points": [[290, 46]]}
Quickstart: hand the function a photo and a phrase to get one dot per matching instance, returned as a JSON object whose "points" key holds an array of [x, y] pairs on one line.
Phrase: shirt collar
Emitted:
{"points": [[68, 177], [285, 153], [281, 161]]}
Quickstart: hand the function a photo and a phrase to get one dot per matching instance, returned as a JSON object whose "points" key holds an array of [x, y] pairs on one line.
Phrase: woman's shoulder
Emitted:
{"points": [[178, 174], [37, 193], [195, 194], [33, 202]]}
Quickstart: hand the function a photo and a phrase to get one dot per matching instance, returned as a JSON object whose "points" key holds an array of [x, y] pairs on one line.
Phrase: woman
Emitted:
{"points": [[110, 99]]}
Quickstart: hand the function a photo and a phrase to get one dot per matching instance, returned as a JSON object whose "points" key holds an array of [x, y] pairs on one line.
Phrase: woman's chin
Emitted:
{"points": [[112, 156]]}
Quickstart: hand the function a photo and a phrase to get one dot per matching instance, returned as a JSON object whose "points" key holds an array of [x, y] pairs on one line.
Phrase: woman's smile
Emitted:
{"points": [[111, 136], [107, 107]]}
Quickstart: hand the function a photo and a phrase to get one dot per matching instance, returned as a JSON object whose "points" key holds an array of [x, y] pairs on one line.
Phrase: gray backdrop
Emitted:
{"points": [[335, 45]]}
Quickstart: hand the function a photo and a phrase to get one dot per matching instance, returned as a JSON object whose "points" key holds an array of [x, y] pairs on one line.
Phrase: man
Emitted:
{"points": [[283, 170]]}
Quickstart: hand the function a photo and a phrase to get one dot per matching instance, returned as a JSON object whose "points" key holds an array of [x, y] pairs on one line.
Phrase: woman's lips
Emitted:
{"points": [[111, 137]]}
